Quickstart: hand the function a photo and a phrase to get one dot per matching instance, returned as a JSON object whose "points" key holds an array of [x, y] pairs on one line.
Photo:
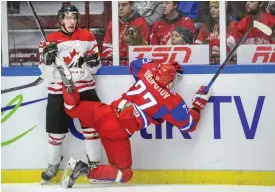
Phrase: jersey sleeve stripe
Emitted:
{"points": [[188, 126], [144, 117]]}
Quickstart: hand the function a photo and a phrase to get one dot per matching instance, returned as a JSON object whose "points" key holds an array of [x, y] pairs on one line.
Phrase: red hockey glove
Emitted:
{"points": [[201, 98]]}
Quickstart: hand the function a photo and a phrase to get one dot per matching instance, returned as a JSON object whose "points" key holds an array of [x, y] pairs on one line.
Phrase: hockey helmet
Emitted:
{"points": [[68, 10], [165, 75]]}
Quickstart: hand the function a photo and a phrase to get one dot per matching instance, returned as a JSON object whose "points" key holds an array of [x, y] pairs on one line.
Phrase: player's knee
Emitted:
{"points": [[56, 139], [70, 99], [90, 133], [126, 175]]}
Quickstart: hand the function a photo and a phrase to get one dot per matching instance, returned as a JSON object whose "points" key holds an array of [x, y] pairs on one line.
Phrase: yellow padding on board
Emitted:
{"points": [[263, 178]]}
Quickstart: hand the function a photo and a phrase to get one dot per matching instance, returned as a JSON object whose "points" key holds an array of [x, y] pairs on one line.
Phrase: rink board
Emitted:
{"points": [[234, 142]]}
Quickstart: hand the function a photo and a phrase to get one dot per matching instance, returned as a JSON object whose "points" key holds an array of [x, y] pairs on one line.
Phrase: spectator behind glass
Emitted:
{"points": [[132, 37], [236, 10], [127, 17], [209, 32], [182, 36], [189, 8], [271, 7], [151, 11], [161, 32], [256, 11]]}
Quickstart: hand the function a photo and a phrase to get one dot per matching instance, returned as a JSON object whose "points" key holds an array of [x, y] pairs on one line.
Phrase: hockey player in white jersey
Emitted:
{"points": [[77, 49]]}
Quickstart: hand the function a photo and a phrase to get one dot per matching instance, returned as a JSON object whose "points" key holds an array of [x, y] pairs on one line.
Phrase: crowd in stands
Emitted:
{"points": [[155, 23], [186, 23]]}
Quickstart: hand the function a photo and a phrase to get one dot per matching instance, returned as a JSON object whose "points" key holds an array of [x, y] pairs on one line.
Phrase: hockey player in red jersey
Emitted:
{"points": [[77, 49], [149, 100]]}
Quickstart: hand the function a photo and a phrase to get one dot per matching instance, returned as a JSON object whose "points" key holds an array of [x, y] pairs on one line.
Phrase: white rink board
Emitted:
{"points": [[235, 148], [256, 54]]}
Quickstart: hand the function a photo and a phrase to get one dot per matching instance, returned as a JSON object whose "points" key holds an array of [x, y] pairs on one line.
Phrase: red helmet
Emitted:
{"points": [[165, 74]]}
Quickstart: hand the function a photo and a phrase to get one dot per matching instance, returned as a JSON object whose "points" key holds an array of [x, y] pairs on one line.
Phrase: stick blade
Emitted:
{"points": [[262, 27]]}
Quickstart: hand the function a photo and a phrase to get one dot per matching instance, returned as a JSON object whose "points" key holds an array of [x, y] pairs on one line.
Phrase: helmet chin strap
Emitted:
{"points": [[66, 31]]}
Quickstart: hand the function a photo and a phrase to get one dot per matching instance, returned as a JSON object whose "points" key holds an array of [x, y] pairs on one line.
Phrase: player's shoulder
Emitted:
{"points": [[141, 61], [82, 31], [84, 34], [54, 36]]}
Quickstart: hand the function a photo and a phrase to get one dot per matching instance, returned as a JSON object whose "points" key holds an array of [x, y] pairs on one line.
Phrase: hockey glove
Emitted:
{"points": [[49, 53], [91, 59], [201, 98]]}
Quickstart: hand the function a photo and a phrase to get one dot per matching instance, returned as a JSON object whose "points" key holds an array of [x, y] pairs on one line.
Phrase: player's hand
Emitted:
{"points": [[91, 59], [201, 98], [178, 68], [49, 53]]}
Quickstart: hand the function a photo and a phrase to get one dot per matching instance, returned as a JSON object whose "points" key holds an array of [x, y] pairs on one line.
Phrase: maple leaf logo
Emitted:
{"points": [[69, 59]]}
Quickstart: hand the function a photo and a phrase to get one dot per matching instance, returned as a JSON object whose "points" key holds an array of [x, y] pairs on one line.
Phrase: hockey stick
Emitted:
{"points": [[262, 27], [60, 69], [38, 81]]}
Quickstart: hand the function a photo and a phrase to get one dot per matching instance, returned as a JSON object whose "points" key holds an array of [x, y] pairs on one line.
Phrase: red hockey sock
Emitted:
{"points": [[111, 173]]}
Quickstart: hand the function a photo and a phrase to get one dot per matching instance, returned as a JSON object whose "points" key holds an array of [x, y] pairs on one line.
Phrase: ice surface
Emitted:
{"points": [[133, 188]]}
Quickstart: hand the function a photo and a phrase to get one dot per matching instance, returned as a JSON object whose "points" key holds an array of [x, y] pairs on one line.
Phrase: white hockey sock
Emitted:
{"points": [[92, 144], [54, 148]]}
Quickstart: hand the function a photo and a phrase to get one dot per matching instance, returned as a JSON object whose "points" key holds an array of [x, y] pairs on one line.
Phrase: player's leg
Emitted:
{"points": [[57, 123], [116, 143], [120, 158], [92, 141], [120, 171], [117, 146]]}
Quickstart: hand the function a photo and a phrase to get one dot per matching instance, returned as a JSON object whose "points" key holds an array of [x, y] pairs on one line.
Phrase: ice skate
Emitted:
{"points": [[50, 173], [78, 168]]}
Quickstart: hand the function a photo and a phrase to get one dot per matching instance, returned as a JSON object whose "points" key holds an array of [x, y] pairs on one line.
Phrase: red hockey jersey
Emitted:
{"points": [[135, 20], [153, 103], [162, 29], [255, 36], [213, 35]]}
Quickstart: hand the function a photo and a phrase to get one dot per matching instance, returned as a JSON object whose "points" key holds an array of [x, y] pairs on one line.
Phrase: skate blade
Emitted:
{"points": [[94, 181], [65, 182], [43, 182], [67, 172]]}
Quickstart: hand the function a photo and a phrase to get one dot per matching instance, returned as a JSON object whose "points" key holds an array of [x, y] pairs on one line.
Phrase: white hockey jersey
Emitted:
{"points": [[70, 49]]}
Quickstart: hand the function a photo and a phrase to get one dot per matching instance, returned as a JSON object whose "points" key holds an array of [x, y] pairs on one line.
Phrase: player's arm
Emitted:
{"points": [[187, 119], [47, 52], [91, 57]]}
